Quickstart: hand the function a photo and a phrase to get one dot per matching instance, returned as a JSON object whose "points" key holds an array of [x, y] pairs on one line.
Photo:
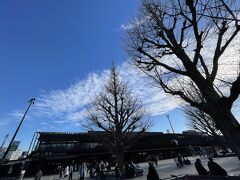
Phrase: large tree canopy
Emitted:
{"points": [[118, 113], [188, 47]]}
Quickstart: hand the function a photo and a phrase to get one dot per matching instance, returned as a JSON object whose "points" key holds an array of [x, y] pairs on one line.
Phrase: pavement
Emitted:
{"points": [[166, 168]]}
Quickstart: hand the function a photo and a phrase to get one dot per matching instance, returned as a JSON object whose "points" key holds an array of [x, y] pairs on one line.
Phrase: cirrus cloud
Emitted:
{"points": [[68, 106]]}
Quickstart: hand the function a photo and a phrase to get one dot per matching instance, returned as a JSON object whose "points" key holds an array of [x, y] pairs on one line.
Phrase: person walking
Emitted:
{"points": [[117, 172], [22, 174], [216, 169], [81, 171], [38, 175], [66, 171], [199, 167], [132, 169], [102, 167], [152, 172], [176, 161], [180, 160], [90, 169], [60, 171], [97, 171], [70, 172]]}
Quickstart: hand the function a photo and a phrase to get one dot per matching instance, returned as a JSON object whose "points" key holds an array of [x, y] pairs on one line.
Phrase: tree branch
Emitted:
{"points": [[159, 63]]}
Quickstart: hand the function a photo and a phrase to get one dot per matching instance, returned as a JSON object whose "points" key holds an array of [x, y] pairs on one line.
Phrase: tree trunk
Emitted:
{"points": [[119, 159], [230, 129], [220, 141]]}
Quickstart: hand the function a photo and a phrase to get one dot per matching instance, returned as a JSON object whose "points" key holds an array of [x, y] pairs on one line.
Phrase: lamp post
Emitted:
{"points": [[174, 136], [31, 101], [170, 123]]}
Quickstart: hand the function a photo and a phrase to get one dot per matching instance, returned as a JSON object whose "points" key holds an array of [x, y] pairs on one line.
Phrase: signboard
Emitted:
{"points": [[14, 145]]}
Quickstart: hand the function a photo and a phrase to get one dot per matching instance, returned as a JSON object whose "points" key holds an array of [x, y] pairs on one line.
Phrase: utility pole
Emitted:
{"points": [[31, 101], [170, 123]]}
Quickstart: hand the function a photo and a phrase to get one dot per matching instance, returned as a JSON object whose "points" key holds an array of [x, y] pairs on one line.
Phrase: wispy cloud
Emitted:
{"points": [[126, 27], [67, 106], [47, 125], [134, 23], [12, 117], [4, 122], [16, 114]]}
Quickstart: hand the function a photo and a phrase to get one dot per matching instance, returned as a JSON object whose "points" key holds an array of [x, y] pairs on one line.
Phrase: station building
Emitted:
{"points": [[48, 150], [51, 149]]}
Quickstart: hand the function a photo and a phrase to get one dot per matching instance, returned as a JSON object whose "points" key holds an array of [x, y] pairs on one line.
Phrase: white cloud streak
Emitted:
{"points": [[135, 22], [67, 106]]}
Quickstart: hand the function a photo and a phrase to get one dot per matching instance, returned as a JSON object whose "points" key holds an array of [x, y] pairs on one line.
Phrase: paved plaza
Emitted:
{"points": [[167, 167]]}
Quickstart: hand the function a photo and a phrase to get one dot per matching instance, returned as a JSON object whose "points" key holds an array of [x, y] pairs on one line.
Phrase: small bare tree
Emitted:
{"points": [[182, 45], [119, 114], [201, 122]]}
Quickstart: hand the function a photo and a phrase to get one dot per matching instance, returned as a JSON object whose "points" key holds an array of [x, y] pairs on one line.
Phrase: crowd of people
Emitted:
{"points": [[178, 159], [214, 168], [94, 169], [99, 169], [65, 171]]}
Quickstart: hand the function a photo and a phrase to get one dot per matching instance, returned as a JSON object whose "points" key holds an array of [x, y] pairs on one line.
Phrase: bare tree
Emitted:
{"points": [[119, 114], [201, 122], [182, 45]]}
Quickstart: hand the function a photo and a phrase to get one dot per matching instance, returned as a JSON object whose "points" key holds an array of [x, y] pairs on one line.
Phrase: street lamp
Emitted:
{"points": [[175, 141], [170, 123], [31, 101]]}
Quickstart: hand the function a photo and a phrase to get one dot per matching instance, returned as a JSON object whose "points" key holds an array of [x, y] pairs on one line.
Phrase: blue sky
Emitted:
{"points": [[58, 51]]}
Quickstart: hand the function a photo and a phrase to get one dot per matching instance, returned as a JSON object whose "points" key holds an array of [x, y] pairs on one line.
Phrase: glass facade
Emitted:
{"points": [[90, 143]]}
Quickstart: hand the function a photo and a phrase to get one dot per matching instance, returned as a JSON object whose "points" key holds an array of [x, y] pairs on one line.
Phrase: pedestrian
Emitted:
{"points": [[38, 175], [216, 169], [90, 169], [180, 160], [155, 159], [22, 170], [70, 172], [22, 174], [152, 172], [60, 171], [199, 167], [127, 170], [85, 168], [117, 172], [102, 169], [66, 171], [108, 167], [81, 171], [176, 161], [97, 171]]}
